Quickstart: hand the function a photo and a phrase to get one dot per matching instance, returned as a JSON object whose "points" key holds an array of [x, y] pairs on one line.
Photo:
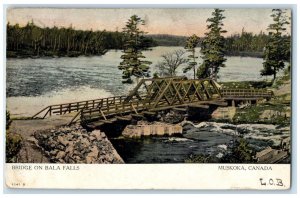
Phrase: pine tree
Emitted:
{"points": [[191, 44], [275, 50], [213, 47], [132, 65]]}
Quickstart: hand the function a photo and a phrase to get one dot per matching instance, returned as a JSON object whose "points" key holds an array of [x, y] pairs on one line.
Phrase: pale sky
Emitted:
{"points": [[158, 21]]}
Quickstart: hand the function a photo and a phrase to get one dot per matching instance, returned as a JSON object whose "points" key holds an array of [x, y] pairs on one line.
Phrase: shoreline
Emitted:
{"points": [[17, 55]]}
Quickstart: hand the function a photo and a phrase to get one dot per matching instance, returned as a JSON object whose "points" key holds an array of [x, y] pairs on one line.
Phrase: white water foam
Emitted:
{"points": [[28, 106]]}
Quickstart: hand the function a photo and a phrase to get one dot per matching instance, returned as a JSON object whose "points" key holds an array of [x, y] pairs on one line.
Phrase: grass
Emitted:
{"points": [[252, 114]]}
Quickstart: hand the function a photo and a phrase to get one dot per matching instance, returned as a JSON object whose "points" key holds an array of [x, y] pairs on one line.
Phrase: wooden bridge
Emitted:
{"points": [[151, 96]]}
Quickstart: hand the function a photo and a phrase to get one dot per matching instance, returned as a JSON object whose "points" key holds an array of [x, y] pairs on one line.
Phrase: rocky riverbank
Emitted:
{"points": [[75, 145], [260, 136]]}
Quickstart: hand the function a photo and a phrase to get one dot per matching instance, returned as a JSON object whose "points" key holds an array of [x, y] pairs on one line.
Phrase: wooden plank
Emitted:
{"points": [[137, 115], [162, 93], [218, 103], [199, 106], [134, 108], [123, 118], [179, 109], [103, 114], [205, 89], [107, 121], [149, 112], [40, 112], [96, 124]]}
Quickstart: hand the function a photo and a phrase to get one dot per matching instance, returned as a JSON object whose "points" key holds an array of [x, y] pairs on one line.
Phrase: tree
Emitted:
{"points": [[170, 62], [275, 50], [132, 65], [191, 44], [213, 47]]}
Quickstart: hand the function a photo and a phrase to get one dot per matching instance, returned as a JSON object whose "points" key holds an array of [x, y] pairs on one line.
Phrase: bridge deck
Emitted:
{"points": [[151, 95]]}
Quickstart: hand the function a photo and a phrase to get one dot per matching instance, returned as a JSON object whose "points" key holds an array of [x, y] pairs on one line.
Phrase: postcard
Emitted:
{"points": [[148, 98]]}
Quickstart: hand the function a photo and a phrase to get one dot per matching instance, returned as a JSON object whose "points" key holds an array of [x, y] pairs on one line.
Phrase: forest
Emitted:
{"points": [[34, 41]]}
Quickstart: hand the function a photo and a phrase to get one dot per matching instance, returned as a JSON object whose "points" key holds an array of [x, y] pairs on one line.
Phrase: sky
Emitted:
{"points": [[175, 21]]}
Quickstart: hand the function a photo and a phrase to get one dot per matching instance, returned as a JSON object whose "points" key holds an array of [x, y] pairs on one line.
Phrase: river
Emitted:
{"points": [[33, 84]]}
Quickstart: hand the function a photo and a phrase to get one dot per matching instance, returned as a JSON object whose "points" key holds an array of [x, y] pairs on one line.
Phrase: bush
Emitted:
{"points": [[201, 159], [8, 120], [13, 145], [239, 153], [13, 141]]}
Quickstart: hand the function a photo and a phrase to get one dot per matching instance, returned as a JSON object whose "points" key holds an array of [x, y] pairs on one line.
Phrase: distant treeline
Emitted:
{"points": [[32, 40], [249, 44], [168, 40]]}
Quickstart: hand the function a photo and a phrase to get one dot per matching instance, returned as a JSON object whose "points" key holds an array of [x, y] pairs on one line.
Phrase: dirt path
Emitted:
{"points": [[29, 153]]}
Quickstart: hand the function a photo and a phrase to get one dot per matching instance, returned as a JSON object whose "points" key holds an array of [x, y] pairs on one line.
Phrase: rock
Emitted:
{"points": [[60, 147], [33, 141], [76, 157], [85, 135], [89, 159], [60, 155], [92, 138], [85, 142], [52, 145], [109, 158], [97, 134], [94, 152], [173, 117], [53, 152], [70, 149], [62, 140], [103, 135], [75, 145], [93, 155]]}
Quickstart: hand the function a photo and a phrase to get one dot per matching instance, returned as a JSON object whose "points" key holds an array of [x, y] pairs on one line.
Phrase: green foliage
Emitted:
{"points": [[213, 47], [33, 40], [246, 44], [168, 40], [239, 153], [13, 145], [191, 44], [13, 141], [253, 113], [8, 120], [278, 47], [201, 159], [170, 63], [132, 64]]}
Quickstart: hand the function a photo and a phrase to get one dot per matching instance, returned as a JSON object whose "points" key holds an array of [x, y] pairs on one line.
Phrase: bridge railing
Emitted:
{"points": [[152, 94], [60, 109], [135, 106], [246, 93]]}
